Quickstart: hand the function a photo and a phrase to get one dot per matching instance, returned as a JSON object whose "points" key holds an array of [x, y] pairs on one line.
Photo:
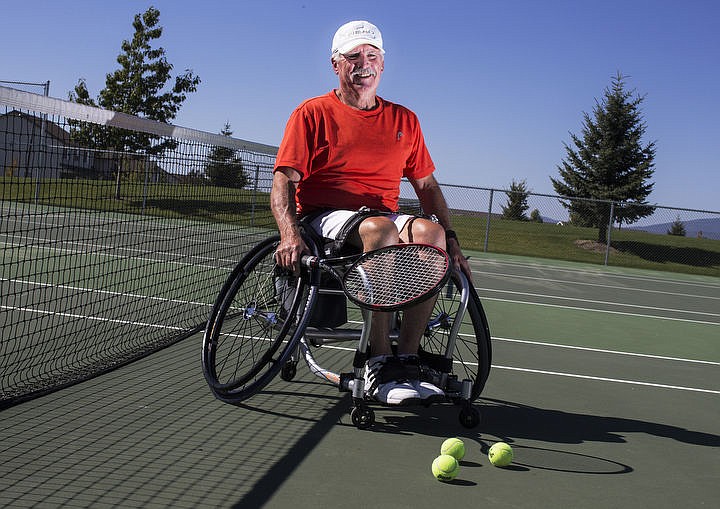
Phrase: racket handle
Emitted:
{"points": [[309, 261]]}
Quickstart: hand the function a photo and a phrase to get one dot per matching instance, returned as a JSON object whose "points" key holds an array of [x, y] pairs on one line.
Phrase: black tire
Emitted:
{"points": [[256, 322], [469, 417], [288, 371], [472, 354], [362, 417]]}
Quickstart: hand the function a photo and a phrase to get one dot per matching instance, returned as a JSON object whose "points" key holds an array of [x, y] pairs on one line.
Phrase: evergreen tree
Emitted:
{"points": [[138, 88], [517, 203], [609, 163], [677, 228], [224, 168]]}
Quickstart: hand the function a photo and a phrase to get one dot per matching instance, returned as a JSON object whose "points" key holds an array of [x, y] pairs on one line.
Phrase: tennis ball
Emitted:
{"points": [[500, 454], [454, 447], [445, 467]]}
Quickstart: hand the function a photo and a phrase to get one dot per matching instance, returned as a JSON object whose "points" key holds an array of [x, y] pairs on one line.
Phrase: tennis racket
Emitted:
{"points": [[389, 278]]}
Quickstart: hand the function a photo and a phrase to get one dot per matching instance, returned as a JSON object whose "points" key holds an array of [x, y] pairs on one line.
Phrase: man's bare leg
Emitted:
{"points": [[386, 377]]}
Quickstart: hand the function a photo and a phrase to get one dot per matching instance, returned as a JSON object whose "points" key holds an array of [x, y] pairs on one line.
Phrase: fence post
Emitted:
{"points": [[145, 184], [487, 224], [254, 196], [43, 147], [608, 237]]}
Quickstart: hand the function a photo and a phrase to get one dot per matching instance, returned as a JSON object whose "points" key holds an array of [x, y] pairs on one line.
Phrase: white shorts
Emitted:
{"points": [[329, 224]]}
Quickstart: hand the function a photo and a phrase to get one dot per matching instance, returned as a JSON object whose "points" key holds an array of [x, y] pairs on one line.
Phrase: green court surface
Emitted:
{"points": [[606, 382]]}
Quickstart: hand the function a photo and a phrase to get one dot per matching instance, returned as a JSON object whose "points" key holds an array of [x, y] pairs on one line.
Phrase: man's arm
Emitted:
{"points": [[433, 201], [282, 204]]}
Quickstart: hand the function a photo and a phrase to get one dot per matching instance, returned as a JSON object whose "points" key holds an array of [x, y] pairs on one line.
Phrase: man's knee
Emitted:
{"points": [[378, 231], [424, 231]]}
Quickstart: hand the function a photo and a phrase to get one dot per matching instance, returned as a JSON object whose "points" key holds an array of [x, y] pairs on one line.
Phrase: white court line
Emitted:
{"points": [[601, 350], [598, 272], [125, 257], [621, 304], [604, 379], [105, 292], [598, 285], [554, 373], [93, 318], [576, 308], [573, 375]]}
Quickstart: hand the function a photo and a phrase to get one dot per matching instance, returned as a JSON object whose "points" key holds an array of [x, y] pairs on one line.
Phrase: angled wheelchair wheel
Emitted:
{"points": [[254, 326], [472, 350]]}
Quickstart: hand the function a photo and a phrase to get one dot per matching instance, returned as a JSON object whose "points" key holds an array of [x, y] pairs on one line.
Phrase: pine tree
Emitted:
{"points": [[677, 228], [609, 163], [517, 204], [224, 168]]}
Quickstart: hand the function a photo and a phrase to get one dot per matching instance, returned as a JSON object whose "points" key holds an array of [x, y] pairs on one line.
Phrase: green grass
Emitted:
{"points": [[629, 248], [162, 200], [239, 206]]}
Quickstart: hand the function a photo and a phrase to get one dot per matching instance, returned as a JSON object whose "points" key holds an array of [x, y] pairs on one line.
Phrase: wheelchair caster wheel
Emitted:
{"points": [[288, 371], [469, 416], [362, 417]]}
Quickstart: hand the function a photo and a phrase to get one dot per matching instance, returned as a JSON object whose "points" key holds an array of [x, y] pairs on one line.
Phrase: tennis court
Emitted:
{"points": [[605, 381]]}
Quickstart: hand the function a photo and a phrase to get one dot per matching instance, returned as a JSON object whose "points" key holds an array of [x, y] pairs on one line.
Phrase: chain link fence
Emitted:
{"points": [[585, 230]]}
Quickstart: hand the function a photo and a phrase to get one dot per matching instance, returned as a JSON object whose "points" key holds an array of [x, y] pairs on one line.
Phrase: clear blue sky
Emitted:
{"points": [[498, 85]]}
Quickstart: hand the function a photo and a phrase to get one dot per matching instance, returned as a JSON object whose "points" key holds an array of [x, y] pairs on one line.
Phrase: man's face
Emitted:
{"points": [[361, 68]]}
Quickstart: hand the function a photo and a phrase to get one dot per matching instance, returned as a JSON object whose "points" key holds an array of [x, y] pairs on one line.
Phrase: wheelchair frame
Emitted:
{"points": [[259, 328]]}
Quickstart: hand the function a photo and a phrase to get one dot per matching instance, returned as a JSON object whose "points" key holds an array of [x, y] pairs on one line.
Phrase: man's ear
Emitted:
{"points": [[333, 62]]}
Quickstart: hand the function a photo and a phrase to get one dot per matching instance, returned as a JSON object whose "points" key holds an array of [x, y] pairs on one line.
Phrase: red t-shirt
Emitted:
{"points": [[350, 158]]}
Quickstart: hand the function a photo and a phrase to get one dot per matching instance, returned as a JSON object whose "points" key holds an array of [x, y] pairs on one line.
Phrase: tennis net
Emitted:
{"points": [[117, 233]]}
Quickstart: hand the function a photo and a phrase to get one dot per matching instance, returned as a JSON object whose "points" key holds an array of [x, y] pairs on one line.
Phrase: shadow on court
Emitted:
{"points": [[504, 418], [669, 254], [285, 466], [512, 422]]}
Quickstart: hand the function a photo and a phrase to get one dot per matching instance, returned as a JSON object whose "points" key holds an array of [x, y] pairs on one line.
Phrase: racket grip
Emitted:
{"points": [[309, 261]]}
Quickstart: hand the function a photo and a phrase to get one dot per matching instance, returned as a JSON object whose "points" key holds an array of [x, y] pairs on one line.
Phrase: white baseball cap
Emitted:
{"points": [[355, 33]]}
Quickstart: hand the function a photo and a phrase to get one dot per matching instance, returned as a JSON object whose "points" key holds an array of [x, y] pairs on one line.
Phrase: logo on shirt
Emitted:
{"points": [[399, 135]]}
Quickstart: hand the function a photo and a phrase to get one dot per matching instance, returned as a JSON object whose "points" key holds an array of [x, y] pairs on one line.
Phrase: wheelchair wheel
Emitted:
{"points": [[254, 326], [472, 352]]}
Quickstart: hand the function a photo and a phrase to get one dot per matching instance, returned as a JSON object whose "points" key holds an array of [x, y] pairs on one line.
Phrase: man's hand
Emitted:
{"points": [[458, 259], [289, 252]]}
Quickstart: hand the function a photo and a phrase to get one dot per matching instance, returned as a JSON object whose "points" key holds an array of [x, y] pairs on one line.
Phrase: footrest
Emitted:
{"points": [[435, 361]]}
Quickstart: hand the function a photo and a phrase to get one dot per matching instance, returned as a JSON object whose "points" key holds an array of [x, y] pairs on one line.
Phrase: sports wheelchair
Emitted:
{"points": [[265, 320]]}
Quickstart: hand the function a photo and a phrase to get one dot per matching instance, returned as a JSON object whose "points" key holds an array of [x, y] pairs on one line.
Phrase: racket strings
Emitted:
{"points": [[392, 277]]}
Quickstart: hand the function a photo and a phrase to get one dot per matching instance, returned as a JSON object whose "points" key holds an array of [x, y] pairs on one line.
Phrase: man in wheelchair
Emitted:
{"points": [[347, 151]]}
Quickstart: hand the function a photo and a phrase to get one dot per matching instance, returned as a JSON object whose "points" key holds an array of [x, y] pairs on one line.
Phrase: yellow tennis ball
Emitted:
{"points": [[454, 447], [500, 454], [445, 467]]}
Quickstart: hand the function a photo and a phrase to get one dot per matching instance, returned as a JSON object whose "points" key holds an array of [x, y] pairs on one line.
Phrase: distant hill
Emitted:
{"points": [[710, 228]]}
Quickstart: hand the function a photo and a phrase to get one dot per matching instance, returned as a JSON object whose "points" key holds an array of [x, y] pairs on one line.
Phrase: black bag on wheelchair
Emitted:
{"points": [[331, 308]]}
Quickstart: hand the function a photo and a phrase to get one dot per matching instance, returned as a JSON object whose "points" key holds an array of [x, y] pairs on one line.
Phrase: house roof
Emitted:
{"points": [[51, 128]]}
